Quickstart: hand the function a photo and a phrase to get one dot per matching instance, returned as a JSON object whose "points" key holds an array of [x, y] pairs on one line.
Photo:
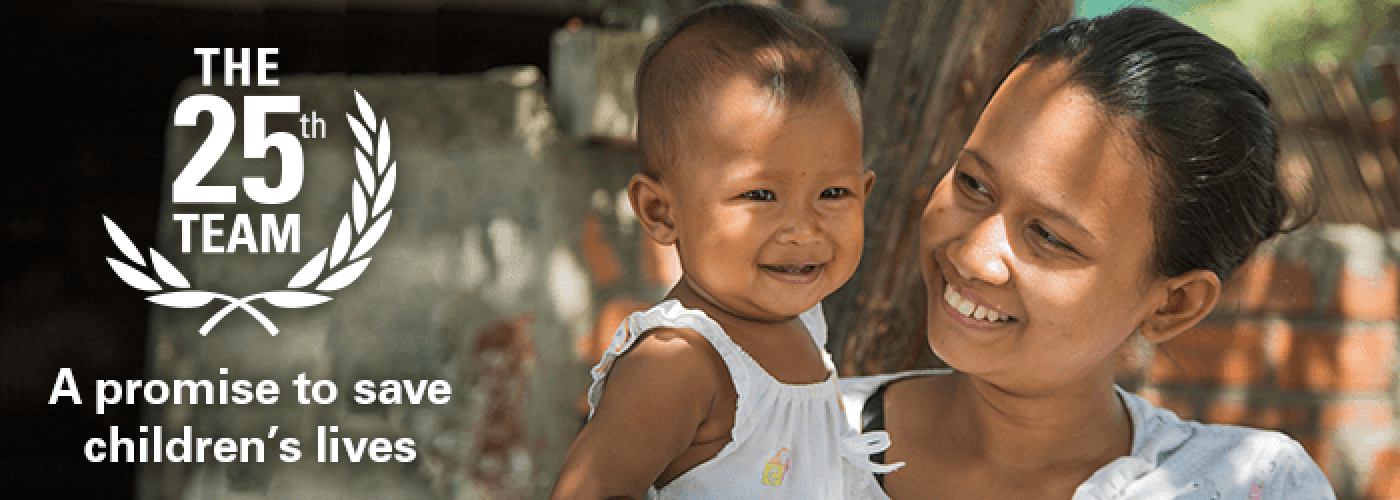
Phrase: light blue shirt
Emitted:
{"points": [[1171, 458]]}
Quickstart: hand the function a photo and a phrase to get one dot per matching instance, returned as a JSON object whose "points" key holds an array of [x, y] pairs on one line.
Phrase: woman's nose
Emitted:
{"points": [[982, 253]]}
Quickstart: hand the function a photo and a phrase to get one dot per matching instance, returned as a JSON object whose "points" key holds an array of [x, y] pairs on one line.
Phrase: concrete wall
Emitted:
{"points": [[505, 238]]}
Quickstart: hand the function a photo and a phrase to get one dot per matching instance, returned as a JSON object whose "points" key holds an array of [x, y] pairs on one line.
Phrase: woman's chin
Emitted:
{"points": [[967, 350], [945, 349]]}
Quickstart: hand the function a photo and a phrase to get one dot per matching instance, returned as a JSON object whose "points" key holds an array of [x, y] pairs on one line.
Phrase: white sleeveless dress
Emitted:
{"points": [[788, 441]]}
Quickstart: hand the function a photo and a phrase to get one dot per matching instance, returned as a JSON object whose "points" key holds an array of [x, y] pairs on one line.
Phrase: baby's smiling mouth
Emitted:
{"points": [[799, 269]]}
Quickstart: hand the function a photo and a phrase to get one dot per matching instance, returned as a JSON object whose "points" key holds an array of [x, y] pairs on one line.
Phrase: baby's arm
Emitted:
{"points": [[654, 399]]}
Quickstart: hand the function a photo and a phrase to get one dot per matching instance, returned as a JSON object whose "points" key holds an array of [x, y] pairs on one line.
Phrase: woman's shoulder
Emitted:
{"points": [[1160, 433], [1171, 454], [864, 385], [856, 391]]}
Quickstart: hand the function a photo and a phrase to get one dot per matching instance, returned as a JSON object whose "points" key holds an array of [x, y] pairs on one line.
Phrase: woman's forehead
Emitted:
{"points": [[1050, 140], [1039, 108]]}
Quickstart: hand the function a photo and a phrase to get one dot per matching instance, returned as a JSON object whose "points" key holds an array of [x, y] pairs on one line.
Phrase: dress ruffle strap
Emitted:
{"points": [[857, 448], [671, 313]]}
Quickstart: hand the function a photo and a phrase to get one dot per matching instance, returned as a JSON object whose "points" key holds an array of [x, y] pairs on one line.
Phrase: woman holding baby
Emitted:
{"points": [[1121, 171]]}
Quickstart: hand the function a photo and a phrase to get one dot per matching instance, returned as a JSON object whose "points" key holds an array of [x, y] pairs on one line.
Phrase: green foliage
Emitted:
{"points": [[1275, 33], [1280, 33]]}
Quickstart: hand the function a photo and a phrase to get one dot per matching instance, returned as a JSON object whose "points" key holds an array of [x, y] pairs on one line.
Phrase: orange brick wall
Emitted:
{"points": [[1304, 342], [626, 277]]}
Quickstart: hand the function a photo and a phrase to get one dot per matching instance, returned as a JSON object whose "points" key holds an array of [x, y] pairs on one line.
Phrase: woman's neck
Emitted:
{"points": [[1079, 427]]}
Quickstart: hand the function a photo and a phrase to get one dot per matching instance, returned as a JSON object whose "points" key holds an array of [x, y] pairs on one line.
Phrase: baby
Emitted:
{"points": [[750, 134]]}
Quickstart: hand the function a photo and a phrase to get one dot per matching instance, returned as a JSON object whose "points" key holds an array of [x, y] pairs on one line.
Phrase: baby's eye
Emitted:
{"points": [[835, 193], [972, 184], [759, 195]]}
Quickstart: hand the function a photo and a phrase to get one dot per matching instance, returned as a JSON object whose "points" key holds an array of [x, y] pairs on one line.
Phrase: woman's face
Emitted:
{"points": [[1035, 247]]}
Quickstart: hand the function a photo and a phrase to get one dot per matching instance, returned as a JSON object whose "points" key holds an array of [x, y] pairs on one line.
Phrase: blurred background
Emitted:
{"points": [[512, 255]]}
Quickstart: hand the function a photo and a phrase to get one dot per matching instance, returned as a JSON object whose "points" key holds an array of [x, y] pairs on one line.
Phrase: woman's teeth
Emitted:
{"points": [[970, 309]]}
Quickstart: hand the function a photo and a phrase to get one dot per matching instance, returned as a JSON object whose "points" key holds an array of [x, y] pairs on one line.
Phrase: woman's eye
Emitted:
{"points": [[835, 192], [1048, 237], [972, 184], [759, 195]]}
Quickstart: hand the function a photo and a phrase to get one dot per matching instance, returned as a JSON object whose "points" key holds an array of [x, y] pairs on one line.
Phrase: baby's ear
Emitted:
{"points": [[1189, 298], [653, 205]]}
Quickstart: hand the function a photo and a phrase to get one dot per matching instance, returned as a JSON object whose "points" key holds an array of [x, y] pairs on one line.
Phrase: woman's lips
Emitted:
{"points": [[975, 312]]}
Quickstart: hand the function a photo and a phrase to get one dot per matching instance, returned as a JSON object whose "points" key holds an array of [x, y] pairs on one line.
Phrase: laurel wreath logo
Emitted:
{"points": [[345, 259]]}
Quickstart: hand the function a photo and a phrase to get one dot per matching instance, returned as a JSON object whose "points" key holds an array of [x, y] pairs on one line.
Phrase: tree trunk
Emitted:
{"points": [[934, 67]]}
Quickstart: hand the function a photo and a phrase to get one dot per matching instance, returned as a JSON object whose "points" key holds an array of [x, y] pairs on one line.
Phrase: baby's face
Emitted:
{"points": [[769, 202]]}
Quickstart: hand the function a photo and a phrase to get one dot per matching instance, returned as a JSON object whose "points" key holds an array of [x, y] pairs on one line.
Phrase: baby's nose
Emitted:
{"points": [[800, 228]]}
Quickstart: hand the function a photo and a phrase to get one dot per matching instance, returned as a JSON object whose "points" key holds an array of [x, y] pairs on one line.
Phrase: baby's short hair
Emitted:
{"points": [[684, 66]]}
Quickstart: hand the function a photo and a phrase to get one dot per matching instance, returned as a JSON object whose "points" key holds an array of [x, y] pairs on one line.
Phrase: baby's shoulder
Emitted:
{"points": [[667, 334], [665, 350], [671, 367], [673, 349]]}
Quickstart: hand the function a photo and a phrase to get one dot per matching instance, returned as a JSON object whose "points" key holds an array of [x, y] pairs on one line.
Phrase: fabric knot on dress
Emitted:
{"points": [[857, 448]]}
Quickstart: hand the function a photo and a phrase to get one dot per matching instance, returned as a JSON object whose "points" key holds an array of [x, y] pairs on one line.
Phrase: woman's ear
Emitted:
{"points": [[1190, 297], [869, 183], [653, 205]]}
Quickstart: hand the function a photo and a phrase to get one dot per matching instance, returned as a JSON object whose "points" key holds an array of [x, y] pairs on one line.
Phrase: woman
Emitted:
{"points": [[1121, 171]]}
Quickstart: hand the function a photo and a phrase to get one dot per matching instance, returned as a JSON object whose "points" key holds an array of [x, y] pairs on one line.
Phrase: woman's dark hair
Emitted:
{"points": [[1203, 120]]}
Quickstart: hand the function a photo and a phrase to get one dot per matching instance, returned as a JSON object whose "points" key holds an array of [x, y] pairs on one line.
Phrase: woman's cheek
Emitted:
{"points": [[1062, 295], [1044, 289], [933, 224]]}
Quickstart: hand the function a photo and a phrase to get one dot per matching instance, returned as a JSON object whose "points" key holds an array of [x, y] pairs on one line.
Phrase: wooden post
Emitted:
{"points": [[934, 67]]}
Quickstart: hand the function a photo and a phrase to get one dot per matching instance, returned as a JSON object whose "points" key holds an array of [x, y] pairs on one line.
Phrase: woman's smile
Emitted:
{"points": [[970, 308]]}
